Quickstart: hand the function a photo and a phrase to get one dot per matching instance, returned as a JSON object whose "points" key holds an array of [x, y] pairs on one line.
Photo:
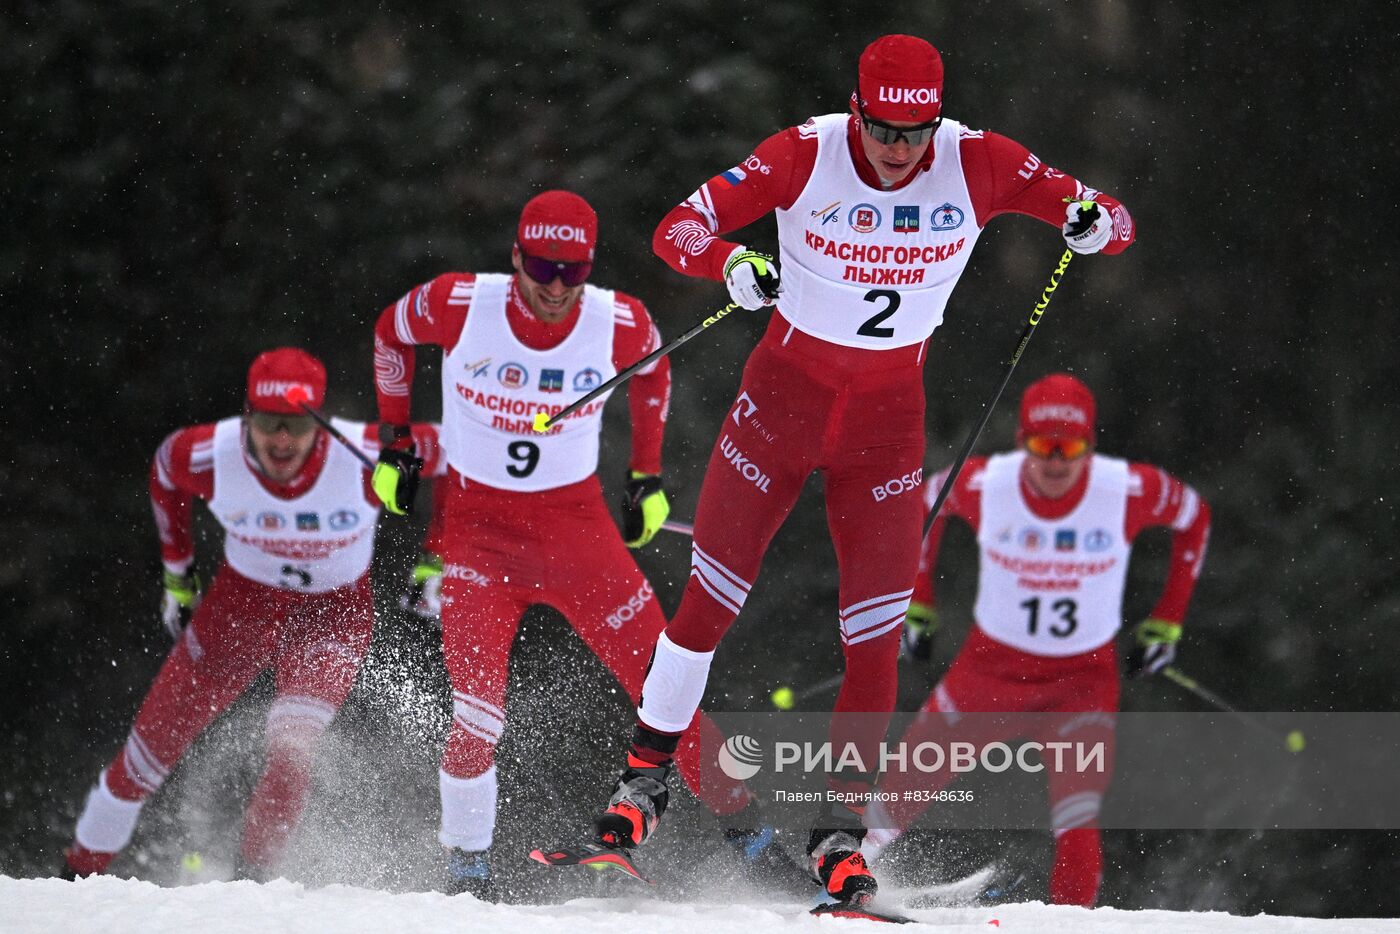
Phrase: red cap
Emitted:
{"points": [[279, 379], [901, 79], [558, 226], [1059, 406]]}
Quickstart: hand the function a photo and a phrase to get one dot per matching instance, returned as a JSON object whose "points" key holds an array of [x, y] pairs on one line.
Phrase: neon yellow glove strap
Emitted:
{"points": [[655, 510], [183, 588], [385, 482], [429, 565], [758, 261], [1154, 631], [921, 617]]}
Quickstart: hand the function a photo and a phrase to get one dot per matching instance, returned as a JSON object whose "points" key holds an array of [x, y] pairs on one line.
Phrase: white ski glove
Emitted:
{"points": [[1086, 229], [752, 278]]}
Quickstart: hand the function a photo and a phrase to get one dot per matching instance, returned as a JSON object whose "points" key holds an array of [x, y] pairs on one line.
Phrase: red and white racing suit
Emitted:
{"points": [[291, 595], [1049, 604], [524, 521], [836, 383]]}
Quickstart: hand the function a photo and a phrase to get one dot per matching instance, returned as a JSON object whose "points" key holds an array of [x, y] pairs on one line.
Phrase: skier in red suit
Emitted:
{"points": [[878, 210], [1055, 525], [291, 595], [522, 520]]}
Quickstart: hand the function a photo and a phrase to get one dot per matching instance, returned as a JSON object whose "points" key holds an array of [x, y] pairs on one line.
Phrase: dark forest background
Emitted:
{"points": [[187, 184]]}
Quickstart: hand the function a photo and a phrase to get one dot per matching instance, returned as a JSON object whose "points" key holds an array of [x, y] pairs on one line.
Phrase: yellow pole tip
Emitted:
{"points": [[1294, 741], [783, 698], [541, 422]]}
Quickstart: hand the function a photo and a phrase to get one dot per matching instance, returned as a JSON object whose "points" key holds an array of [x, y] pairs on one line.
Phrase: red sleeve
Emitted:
{"points": [[649, 392], [183, 469], [1003, 177], [964, 502], [430, 313], [1156, 498], [769, 179]]}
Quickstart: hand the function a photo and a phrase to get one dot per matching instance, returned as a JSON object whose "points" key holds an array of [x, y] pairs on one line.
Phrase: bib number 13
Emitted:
{"points": [[871, 327], [1063, 622]]}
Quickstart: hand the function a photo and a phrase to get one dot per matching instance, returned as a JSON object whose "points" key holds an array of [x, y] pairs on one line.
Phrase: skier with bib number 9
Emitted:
{"points": [[522, 517], [878, 210], [292, 595]]}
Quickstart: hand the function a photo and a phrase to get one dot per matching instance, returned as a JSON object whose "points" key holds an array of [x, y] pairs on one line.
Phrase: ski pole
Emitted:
{"points": [[1025, 339], [544, 422], [680, 528], [297, 396], [1293, 740]]}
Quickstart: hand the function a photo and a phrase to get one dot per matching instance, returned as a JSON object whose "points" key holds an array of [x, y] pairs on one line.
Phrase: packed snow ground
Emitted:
{"points": [[122, 906]]}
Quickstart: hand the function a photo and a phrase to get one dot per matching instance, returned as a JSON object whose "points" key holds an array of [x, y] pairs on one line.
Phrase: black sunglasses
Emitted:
{"points": [[545, 271], [887, 135]]}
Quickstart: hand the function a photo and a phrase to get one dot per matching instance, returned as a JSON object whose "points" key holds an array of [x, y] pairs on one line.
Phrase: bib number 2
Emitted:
{"points": [[871, 327]]}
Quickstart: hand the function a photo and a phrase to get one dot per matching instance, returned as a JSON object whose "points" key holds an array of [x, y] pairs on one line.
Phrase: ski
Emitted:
{"points": [[990, 885], [594, 855], [844, 910]]}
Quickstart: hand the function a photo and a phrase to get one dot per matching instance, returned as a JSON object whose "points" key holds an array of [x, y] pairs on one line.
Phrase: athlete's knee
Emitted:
{"points": [[477, 726], [136, 772], [714, 596], [1076, 811], [295, 724], [873, 623]]}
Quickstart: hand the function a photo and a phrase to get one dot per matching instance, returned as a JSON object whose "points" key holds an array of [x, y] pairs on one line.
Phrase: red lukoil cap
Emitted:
{"points": [[558, 226], [280, 379], [901, 79], [1058, 406]]}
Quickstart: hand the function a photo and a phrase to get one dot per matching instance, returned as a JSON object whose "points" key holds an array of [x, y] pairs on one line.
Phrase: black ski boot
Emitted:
{"points": [[469, 873], [762, 857], [638, 800]]}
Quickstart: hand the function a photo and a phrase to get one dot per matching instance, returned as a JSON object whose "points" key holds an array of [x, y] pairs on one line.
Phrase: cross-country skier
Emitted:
{"points": [[878, 210], [524, 520], [291, 595], [1055, 525]]}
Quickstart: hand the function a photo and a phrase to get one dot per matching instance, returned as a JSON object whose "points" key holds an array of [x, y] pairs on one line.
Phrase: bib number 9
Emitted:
{"points": [[871, 327], [526, 455]]}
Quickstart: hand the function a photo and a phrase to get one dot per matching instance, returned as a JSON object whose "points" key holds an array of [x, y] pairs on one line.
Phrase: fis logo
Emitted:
{"points": [[551, 380], [828, 213], [906, 218], [898, 485], [479, 368]]}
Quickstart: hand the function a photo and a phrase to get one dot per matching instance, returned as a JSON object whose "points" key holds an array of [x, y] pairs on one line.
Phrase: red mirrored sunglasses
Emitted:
{"points": [[545, 271], [1068, 448]]}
